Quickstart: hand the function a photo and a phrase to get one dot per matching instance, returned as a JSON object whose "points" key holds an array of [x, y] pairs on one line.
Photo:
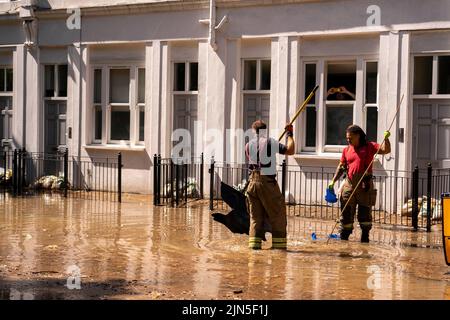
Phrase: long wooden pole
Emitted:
{"points": [[367, 169], [299, 111]]}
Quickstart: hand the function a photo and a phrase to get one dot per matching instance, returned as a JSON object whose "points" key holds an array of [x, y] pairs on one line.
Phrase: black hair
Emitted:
{"points": [[354, 129]]}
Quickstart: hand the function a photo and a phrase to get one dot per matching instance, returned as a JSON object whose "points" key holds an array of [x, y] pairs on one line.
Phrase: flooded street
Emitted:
{"points": [[136, 251]]}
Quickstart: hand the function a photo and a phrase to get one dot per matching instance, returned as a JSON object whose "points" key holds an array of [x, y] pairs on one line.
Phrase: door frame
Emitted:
{"points": [[435, 121], [64, 117]]}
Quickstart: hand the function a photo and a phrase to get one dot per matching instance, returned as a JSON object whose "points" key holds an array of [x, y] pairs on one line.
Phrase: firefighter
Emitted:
{"points": [[263, 193], [355, 159]]}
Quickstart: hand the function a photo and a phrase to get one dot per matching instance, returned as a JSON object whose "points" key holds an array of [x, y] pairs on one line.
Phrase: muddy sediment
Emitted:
{"points": [[49, 245]]}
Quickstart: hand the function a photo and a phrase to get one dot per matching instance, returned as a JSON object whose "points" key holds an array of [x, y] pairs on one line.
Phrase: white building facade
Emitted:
{"points": [[102, 77]]}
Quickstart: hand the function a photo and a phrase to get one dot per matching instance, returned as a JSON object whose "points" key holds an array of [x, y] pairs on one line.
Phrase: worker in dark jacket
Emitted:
{"points": [[355, 159], [263, 192]]}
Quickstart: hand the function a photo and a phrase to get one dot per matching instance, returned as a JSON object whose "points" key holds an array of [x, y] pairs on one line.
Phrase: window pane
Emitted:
{"points": [[120, 123], [9, 80], [49, 88], [179, 77], [141, 85], [310, 127], [9, 129], [371, 123], [193, 75], [62, 108], [2, 129], [97, 86], [265, 75], [310, 78], [444, 75], [250, 75], [371, 82], [338, 119], [5, 119], [119, 86], [62, 81], [98, 123], [62, 132], [341, 81], [5, 103], [423, 71], [141, 123], [2, 80]]}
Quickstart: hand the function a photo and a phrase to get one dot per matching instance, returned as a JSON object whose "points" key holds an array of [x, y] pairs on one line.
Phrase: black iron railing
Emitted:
{"points": [[177, 180], [404, 198], [25, 173]]}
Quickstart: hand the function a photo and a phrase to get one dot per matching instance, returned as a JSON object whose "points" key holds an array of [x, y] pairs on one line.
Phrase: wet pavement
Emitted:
{"points": [[49, 245]]}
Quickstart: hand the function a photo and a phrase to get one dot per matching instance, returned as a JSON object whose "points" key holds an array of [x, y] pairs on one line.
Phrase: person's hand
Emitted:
{"points": [[331, 91], [343, 89], [289, 130], [387, 134], [331, 185]]}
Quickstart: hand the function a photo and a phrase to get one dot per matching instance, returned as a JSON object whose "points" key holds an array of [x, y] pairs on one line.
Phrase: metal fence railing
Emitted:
{"points": [[404, 198], [176, 180], [26, 173]]}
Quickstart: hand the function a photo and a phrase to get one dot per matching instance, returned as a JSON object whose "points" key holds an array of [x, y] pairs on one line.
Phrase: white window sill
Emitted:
{"points": [[431, 96], [55, 98], [322, 156], [315, 156], [114, 147]]}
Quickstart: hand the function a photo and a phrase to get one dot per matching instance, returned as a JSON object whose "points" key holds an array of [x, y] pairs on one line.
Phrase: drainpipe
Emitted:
{"points": [[27, 15], [211, 22], [80, 95]]}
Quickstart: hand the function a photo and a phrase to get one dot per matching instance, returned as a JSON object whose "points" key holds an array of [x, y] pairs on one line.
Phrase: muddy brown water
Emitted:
{"points": [[136, 251]]}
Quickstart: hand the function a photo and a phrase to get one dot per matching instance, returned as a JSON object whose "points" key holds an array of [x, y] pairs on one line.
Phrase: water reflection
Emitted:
{"points": [[135, 250]]}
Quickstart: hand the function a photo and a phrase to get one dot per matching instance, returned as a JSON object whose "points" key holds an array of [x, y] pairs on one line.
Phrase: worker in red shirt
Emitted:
{"points": [[356, 157]]}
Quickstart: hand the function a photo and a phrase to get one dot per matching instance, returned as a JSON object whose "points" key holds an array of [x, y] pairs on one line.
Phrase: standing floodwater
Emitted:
{"points": [[49, 245]]}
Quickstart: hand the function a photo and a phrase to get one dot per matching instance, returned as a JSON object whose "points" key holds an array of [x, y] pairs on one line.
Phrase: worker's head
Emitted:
{"points": [[259, 126], [355, 136]]}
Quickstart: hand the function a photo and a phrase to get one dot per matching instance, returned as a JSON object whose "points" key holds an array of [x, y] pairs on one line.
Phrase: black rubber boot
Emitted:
{"points": [[345, 234], [365, 236]]}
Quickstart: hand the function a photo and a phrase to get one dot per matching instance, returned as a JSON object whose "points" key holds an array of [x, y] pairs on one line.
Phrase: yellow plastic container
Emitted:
{"points": [[446, 225]]}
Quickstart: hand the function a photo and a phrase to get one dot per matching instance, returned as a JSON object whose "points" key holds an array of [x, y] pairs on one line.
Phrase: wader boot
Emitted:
{"points": [[365, 236], [266, 200], [345, 234], [359, 203]]}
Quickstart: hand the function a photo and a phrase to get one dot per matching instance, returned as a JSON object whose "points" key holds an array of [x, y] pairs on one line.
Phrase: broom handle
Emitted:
{"points": [[299, 111]]}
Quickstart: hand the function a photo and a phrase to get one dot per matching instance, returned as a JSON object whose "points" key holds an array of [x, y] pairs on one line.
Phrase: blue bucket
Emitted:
{"points": [[330, 196]]}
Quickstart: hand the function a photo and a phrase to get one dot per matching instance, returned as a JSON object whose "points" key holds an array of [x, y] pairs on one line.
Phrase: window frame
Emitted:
{"points": [[110, 104], [331, 148], [258, 89], [187, 78], [55, 96], [303, 92], [370, 105], [139, 106], [5, 92], [8, 112], [437, 74], [96, 104], [322, 149], [106, 105], [434, 76]]}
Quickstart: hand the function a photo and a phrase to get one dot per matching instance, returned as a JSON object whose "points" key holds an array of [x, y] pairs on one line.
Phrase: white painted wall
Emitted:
{"points": [[288, 34]]}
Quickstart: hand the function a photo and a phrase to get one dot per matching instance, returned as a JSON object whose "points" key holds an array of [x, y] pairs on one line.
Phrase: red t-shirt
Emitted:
{"points": [[358, 160]]}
